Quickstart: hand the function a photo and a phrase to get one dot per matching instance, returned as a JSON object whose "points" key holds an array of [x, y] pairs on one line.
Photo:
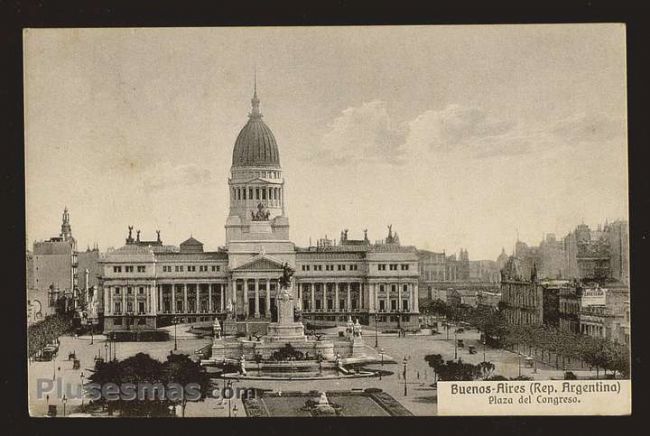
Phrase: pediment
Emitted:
{"points": [[258, 181], [261, 263]]}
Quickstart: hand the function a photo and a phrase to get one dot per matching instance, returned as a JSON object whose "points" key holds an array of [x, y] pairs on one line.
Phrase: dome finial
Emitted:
{"points": [[255, 102]]}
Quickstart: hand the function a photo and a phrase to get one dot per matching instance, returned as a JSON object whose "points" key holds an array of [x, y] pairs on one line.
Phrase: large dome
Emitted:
{"points": [[255, 145]]}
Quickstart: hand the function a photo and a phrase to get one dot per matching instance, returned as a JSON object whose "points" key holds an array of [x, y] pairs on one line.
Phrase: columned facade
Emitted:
{"points": [[157, 285]]}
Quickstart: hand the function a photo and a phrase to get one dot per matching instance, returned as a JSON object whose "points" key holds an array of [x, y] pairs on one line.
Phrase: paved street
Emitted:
{"points": [[420, 398]]}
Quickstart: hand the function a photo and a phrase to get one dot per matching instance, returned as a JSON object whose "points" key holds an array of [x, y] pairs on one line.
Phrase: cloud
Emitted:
{"points": [[455, 126], [367, 133], [166, 175], [363, 133], [584, 127]]}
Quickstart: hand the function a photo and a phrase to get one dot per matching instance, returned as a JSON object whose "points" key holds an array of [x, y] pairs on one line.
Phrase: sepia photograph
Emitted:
{"points": [[241, 222]]}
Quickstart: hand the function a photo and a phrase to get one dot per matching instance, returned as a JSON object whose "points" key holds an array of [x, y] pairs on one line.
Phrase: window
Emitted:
{"points": [[129, 291], [353, 267], [167, 268], [244, 192], [250, 193], [129, 307], [141, 268], [178, 268], [128, 268], [117, 291], [341, 267], [118, 307], [382, 305], [117, 269], [216, 268], [381, 267], [141, 307], [305, 267], [318, 267], [405, 267], [329, 267], [263, 194], [393, 267], [191, 268], [393, 304], [405, 304], [141, 291], [257, 193]]}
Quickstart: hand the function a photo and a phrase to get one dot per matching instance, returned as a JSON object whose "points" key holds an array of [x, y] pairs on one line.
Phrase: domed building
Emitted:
{"points": [[333, 281]]}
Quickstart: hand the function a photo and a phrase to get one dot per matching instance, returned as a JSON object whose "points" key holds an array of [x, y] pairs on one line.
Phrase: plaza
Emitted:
{"points": [[420, 398]]}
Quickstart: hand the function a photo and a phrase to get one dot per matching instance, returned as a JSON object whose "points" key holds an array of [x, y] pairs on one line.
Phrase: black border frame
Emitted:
{"points": [[16, 14]]}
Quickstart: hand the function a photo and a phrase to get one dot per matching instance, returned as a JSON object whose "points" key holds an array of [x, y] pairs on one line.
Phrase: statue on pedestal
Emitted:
{"points": [[229, 310]]}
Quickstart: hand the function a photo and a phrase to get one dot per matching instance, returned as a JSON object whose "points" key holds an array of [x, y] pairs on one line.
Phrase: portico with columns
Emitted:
{"points": [[372, 282]]}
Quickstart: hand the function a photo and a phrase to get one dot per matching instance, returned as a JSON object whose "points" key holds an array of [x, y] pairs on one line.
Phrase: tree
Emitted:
{"points": [[434, 361], [183, 371], [454, 371], [140, 369], [487, 369], [435, 307]]}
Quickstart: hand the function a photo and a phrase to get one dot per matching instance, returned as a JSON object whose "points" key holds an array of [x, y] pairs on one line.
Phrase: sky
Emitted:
{"points": [[458, 136]]}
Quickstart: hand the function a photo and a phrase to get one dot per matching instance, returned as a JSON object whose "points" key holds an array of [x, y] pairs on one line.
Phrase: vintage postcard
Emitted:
{"points": [[327, 221]]}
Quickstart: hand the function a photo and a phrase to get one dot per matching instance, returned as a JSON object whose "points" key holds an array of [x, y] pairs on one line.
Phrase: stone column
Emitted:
{"points": [[210, 305], [325, 307], [336, 296], [257, 298], [416, 297], [362, 298], [233, 287], [246, 296], [185, 298], [223, 288], [173, 308], [124, 300], [197, 306], [313, 296], [399, 296], [348, 300], [267, 303], [147, 299]]}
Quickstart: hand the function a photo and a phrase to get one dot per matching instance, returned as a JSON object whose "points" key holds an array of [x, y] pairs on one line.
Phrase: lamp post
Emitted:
{"points": [[381, 353], [404, 363], [376, 332], [64, 400], [484, 341], [90, 325], [455, 343], [175, 321], [106, 350], [53, 368], [234, 411], [82, 387]]}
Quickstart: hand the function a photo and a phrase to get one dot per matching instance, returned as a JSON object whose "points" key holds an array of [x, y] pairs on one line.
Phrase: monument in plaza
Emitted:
{"points": [[286, 350], [286, 329]]}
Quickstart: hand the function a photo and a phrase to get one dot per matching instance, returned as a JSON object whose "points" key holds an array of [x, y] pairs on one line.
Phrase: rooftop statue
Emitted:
{"points": [[261, 215]]}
